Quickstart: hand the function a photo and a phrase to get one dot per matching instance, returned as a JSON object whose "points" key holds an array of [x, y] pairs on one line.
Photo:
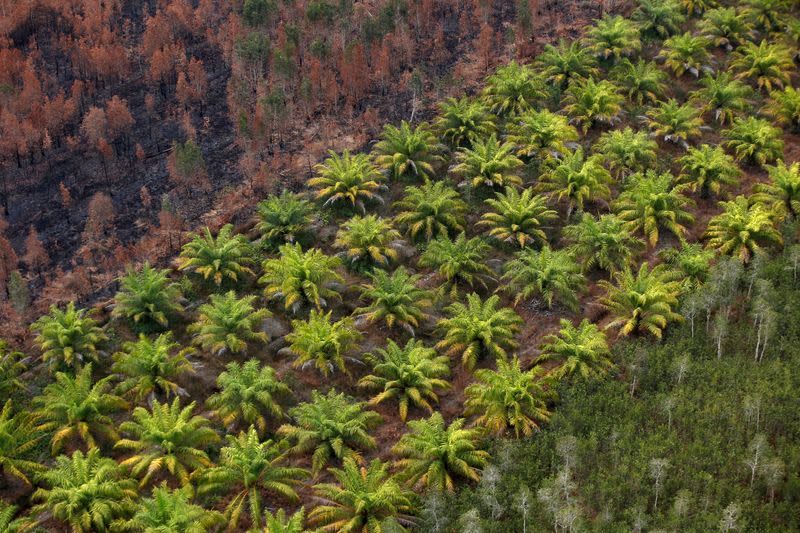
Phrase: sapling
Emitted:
{"points": [[658, 470]]}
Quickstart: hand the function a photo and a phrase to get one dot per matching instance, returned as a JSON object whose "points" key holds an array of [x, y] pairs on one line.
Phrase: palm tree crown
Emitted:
{"points": [[754, 140], [228, 323], [431, 210], [407, 153], [601, 242], [171, 511], [348, 180], [147, 297], [613, 37], [576, 180], [459, 261], [643, 82], [301, 279], [395, 299], [582, 349], [674, 122], [220, 259], [626, 151], [488, 163], [566, 62], [659, 18], [284, 218], [516, 217], [150, 367], [541, 134], [68, 338], [18, 438], [323, 342], [707, 169], [367, 241], [723, 96], [462, 121], [686, 53], [769, 65], [741, 229], [512, 89], [725, 26], [549, 274], [590, 102], [781, 194]]}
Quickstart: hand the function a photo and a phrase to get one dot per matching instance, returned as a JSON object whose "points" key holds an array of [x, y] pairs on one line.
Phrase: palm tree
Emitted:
{"points": [[741, 230], [433, 454], [692, 260], [247, 467], [395, 299], [284, 219], [784, 107], [654, 202], [74, 407], [707, 168], [767, 14], [723, 96], [517, 218], [488, 163], [12, 364], [19, 438], [431, 210], [769, 65], [566, 62], [643, 301], [541, 135], [248, 392], [698, 7], [10, 523], [754, 140], [590, 102], [148, 368], [601, 242], [686, 53], [413, 374], [87, 492], [463, 120], [322, 342], [331, 427], [348, 180], [365, 499], [167, 438], [407, 153], [674, 122], [781, 195], [459, 261], [478, 329], [509, 399], [549, 274], [280, 523], [301, 279], [172, 511], [577, 180], [367, 242], [68, 338], [659, 18], [582, 349], [220, 259], [147, 298], [725, 26], [228, 323], [613, 37], [512, 89], [626, 151], [642, 82]]}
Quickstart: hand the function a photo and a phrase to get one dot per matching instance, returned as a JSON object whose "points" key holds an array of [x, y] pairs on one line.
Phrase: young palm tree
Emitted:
{"points": [[367, 242], [582, 350], [741, 230], [74, 407], [513, 89], [726, 27], [463, 120], [754, 140], [433, 455], [659, 18], [627, 151], [11, 523], [478, 328], [642, 82], [643, 301], [348, 180], [510, 399], [674, 122], [431, 210], [280, 523], [613, 38], [692, 260], [228, 323], [365, 499], [601, 242], [488, 163], [768, 15], [723, 96], [406, 153], [322, 342], [413, 374], [166, 438], [552, 275], [577, 180], [590, 102], [459, 262], [541, 135], [517, 217], [301, 279], [171, 511], [331, 427], [220, 259], [654, 202], [769, 65], [248, 392], [12, 364], [147, 298], [87, 492], [395, 299], [19, 438], [698, 7], [284, 219], [781, 195], [247, 467], [707, 169], [149, 368], [686, 53], [784, 107], [68, 338], [566, 62]]}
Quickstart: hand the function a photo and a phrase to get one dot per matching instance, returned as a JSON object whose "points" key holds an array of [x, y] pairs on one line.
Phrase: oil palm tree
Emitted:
{"points": [[510, 399], [433, 455], [626, 151], [768, 15], [279, 522], [552, 275], [283, 218], [644, 301], [754, 140], [488, 163], [12, 365], [18, 438], [412, 373], [330, 426], [300, 278], [768, 65], [147, 298], [613, 37], [68, 338], [642, 82], [395, 299], [221, 259], [431, 210], [601, 242], [406, 153], [11, 523], [781, 194], [784, 107], [459, 262], [723, 96], [167, 439], [228, 323], [349, 180], [323, 342], [149, 368], [726, 27], [707, 169], [566, 62], [582, 350], [367, 242], [698, 7], [248, 393], [674, 122], [686, 52], [463, 120], [247, 467], [577, 180], [76, 408], [478, 328], [517, 218], [541, 135], [590, 102], [692, 260], [741, 230], [173, 511], [513, 89], [659, 18]]}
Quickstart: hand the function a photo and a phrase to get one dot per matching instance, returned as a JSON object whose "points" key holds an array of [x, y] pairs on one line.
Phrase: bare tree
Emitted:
{"points": [[680, 367], [758, 449], [522, 502], [567, 449], [773, 472], [658, 470], [730, 518]]}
